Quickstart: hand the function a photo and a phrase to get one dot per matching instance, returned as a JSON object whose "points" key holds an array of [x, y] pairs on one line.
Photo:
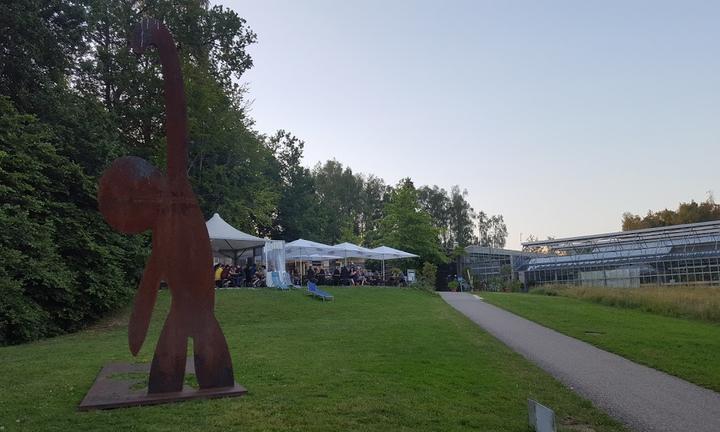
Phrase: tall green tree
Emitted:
{"points": [[492, 230], [407, 227], [338, 197], [231, 168], [41, 42], [297, 208], [436, 202], [461, 218], [375, 195], [498, 231]]}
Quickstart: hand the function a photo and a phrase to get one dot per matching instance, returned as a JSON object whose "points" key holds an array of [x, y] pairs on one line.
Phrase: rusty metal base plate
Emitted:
{"points": [[121, 385]]}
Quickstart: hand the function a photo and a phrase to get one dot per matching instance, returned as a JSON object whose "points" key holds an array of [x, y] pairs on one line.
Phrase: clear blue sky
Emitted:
{"points": [[560, 115]]}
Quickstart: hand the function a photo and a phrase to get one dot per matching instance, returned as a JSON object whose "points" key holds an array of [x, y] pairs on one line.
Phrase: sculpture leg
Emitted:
{"points": [[168, 366], [213, 366]]}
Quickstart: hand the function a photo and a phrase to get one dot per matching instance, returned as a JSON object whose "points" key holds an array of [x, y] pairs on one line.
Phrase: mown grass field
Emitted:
{"points": [[685, 348], [374, 359]]}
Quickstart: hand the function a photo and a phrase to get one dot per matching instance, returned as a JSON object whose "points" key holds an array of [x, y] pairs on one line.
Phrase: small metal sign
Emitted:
{"points": [[542, 418]]}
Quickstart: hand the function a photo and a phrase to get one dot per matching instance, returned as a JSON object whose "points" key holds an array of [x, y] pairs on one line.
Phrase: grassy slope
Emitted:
{"points": [[375, 359], [686, 348]]}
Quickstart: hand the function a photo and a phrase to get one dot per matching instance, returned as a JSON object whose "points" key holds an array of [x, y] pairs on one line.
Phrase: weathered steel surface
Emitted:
{"points": [[121, 385], [134, 196]]}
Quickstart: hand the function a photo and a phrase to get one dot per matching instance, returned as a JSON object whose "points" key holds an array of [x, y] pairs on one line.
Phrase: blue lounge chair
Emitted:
{"points": [[317, 292], [277, 283]]}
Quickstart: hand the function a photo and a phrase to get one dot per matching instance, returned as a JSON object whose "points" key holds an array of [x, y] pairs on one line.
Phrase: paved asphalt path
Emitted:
{"points": [[643, 398]]}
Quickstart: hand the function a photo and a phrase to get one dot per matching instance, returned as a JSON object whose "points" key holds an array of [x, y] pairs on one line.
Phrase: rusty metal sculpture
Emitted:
{"points": [[134, 196]]}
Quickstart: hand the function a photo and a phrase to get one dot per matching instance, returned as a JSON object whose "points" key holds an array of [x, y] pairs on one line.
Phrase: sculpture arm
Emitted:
{"points": [[152, 32], [144, 304]]}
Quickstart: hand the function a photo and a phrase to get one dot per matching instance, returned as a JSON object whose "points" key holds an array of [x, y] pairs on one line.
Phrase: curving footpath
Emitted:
{"points": [[645, 399]]}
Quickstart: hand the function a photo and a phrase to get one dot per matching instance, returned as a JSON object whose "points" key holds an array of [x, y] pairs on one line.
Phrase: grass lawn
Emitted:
{"points": [[694, 302], [685, 348], [374, 359]]}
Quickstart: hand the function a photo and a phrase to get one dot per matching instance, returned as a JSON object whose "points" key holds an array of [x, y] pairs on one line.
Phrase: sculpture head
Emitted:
{"points": [[131, 194], [144, 35]]}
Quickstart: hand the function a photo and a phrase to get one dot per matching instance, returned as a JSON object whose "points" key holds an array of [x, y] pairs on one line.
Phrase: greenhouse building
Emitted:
{"points": [[679, 254]]}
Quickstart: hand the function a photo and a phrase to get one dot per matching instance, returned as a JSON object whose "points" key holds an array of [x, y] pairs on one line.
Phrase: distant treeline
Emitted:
{"points": [[688, 212], [73, 98]]}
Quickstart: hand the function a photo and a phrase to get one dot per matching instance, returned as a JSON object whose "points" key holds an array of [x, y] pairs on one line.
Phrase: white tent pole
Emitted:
{"points": [[383, 265]]}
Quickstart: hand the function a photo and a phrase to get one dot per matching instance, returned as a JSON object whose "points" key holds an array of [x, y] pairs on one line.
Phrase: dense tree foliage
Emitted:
{"points": [[436, 202], [297, 208], [406, 225], [461, 216], [491, 230], [61, 266], [73, 98], [689, 212]]}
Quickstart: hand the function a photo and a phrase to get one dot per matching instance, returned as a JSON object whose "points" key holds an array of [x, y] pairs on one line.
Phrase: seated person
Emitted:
{"points": [[246, 274], [310, 274], [259, 280], [225, 276], [358, 277], [218, 275], [232, 276], [344, 276], [353, 275]]}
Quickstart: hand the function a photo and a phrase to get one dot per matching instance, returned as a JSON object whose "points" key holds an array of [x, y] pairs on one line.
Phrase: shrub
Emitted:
{"points": [[429, 272], [513, 285], [61, 266], [426, 278]]}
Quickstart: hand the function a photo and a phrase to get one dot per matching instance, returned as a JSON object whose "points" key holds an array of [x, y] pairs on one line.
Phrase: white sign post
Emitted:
{"points": [[542, 418]]}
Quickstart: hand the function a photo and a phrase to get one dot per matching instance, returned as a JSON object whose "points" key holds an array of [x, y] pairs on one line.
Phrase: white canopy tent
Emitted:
{"points": [[226, 238], [387, 253]]}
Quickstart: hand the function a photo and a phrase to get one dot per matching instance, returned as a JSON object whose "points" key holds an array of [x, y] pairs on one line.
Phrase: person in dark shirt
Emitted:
{"points": [[225, 275], [344, 276], [248, 276], [311, 274], [260, 277]]}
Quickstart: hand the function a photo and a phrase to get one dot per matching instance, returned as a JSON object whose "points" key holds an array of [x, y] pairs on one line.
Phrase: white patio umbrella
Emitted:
{"points": [[301, 249], [349, 250], [386, 252], [313, 257], [225, 237]]}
